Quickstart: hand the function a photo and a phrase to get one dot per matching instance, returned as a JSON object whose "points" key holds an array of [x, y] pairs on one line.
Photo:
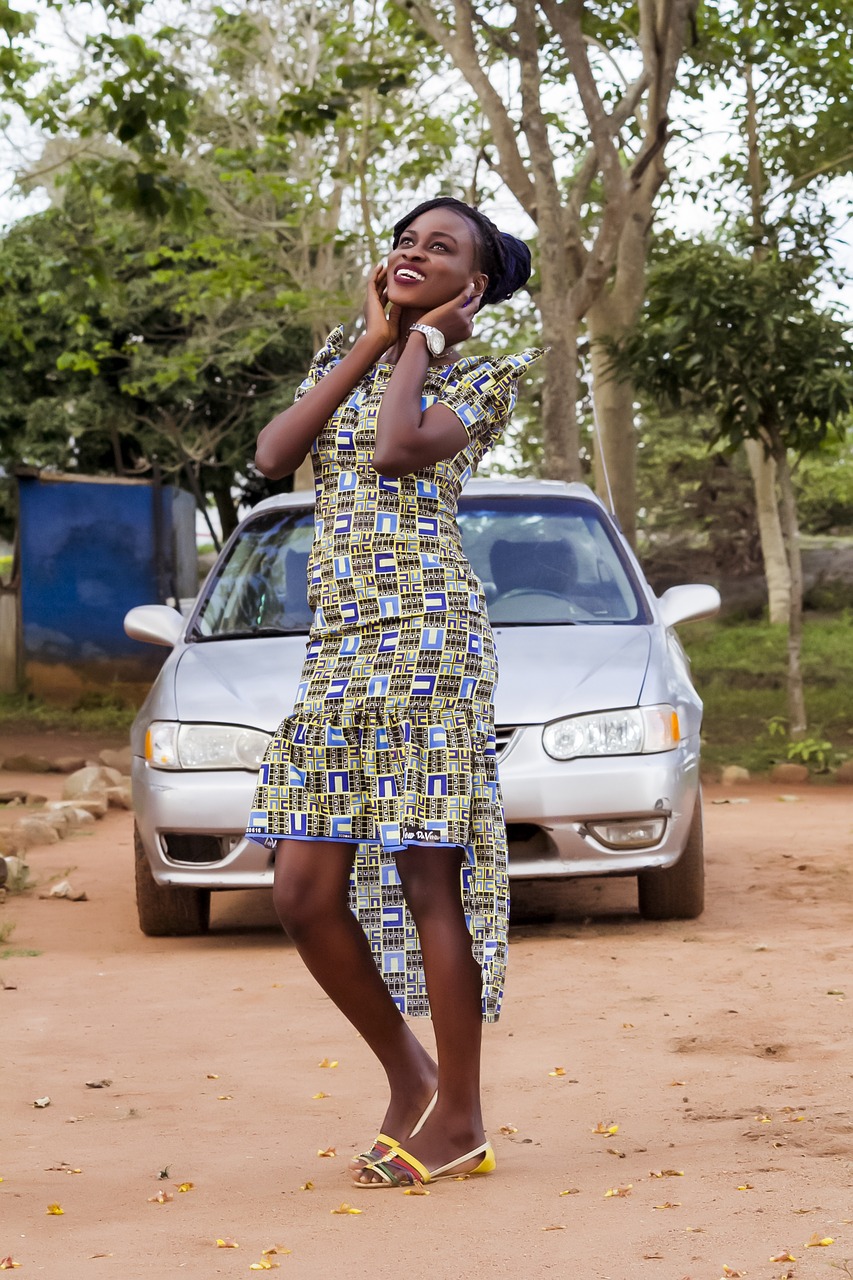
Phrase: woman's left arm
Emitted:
{"points": [[408, 437]]}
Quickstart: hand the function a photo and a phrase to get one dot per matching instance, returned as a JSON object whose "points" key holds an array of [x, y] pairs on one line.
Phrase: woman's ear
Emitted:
{"points": [[480, 284]]}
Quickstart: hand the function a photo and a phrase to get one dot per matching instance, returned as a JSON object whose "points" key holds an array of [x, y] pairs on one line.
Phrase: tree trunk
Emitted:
{"points": [[797, 723], [777, 572], [615, 452], [220, 488], [560, 431]]}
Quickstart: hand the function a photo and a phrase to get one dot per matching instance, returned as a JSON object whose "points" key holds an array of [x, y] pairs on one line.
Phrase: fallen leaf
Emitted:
{"points": [[652, 1255], [162, 1197], [275, 1248], [558, 1071], [227, 1243], [315, 1096], [668, 1204], [64, 1167], [224, 1097], [264, 1265], [164, 1173], [186, 1186], [507, 1129], [42, 1102], [794, 1119], [677, 1084], [608, 1129], [763, 1119], [417, 1189], [746, 1186], [614, 1151], [727, 1271], [100, 1255], [627, 1026], [211, 1075], [98, 1084], [55, 1209], [333, 1062], [7, 1263], [345, 1208], [696, 1230], [666, 1173], [307, 1186], [618, 1191], [783, 1257], [572, 1191], [817, 1242], [557, 1227], [330, 1151]]}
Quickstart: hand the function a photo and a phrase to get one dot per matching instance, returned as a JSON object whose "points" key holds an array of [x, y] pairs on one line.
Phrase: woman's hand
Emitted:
{"points": [[455, 318], [381, 330]]}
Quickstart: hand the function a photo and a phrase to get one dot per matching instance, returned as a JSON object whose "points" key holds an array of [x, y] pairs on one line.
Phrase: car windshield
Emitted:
{"points": [[259, 587], [542, 561], [547, 561]]}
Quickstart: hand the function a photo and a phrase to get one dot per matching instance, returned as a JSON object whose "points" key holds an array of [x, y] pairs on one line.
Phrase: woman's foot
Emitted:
{"points": [[408, 1109], [442, 1141]]}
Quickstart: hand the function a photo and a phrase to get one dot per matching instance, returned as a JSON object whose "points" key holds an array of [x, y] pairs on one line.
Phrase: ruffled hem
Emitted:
{"points": [[373, 778]]}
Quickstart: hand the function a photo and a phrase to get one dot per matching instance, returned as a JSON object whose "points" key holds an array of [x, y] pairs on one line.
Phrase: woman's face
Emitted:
{"points": [[435, 259]]}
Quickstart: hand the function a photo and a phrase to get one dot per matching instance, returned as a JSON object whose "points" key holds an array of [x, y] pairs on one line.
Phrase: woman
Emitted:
{"points": [[384, 775]]}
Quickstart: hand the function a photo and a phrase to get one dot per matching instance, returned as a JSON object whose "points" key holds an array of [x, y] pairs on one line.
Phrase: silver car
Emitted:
{"points": [[597, 719]]}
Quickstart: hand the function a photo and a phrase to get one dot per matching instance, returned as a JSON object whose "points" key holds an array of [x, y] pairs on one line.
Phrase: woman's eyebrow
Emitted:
{"points": [[445, 235]]}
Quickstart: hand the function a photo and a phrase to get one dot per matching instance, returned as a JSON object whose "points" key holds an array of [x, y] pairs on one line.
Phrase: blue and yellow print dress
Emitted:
{"points": [[391, 741]]}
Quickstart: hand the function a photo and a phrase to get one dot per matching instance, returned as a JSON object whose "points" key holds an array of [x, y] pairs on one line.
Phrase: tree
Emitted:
{"points": [[580, 145], [785, 71], [742, 339]]}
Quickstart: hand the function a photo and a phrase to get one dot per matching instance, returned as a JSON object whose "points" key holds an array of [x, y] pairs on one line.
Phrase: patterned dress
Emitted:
{"points": [[391, 740]]}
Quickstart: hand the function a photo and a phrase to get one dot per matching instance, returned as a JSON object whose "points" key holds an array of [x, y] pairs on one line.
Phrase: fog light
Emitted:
{"points": [[628, 833]]}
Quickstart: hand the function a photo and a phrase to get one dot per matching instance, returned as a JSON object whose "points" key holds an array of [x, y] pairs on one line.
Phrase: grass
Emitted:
{"points": [[740, 670], [94, 714]]}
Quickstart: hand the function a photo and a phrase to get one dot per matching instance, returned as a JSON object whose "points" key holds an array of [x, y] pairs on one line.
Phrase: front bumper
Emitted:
{"points": [[547, 804]]}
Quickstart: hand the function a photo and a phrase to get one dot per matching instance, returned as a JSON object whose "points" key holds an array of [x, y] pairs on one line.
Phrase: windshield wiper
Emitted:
{"points": [[251, 634]]}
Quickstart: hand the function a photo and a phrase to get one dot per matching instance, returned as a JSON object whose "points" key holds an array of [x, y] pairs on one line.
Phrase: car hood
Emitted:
{"points": [[545, 673], [548, 672], [249, 682]]}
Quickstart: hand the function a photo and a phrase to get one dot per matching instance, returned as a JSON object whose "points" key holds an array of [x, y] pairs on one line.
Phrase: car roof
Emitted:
{"points": [[504, 487]]}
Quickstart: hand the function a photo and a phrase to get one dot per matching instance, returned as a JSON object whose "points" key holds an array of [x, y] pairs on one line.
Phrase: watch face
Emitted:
{"points": [[435, 341]]}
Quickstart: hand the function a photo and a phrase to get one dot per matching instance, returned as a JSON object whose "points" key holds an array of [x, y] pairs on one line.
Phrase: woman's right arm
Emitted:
{"points": [[287, 439]]}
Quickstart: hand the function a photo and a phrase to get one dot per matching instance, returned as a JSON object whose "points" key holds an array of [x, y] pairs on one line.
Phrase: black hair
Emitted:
{"points": [[503, 258]]}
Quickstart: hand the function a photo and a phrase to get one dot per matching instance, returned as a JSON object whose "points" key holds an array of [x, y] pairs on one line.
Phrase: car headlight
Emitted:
{"points": [[169, 745], [632, 732]]}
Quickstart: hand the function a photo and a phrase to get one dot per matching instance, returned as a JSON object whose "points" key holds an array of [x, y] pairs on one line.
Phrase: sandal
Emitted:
{"points": [[400, 1169], [382, 1144]]}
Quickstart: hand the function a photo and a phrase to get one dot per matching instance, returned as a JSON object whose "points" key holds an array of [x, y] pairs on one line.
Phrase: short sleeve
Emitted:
{"points": [[483, 394], [325, 359]]}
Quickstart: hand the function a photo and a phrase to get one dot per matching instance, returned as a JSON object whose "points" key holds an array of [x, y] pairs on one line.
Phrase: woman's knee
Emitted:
{"points": [[306, 889]]}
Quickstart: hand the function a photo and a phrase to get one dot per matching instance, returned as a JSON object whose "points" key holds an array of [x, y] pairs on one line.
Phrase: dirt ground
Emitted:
{"points": [[667, 1101]]}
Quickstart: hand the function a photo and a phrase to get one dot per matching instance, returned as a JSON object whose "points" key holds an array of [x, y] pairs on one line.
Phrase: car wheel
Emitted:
{"points": [[167, 911], [677, 892]]}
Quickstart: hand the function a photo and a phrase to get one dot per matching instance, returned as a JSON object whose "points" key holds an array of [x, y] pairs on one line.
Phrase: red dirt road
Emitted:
{"points": [[720, 1048]]}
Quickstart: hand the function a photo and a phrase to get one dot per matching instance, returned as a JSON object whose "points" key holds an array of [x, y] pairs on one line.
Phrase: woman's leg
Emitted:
{"points": [[310, 898], [430, 879]]}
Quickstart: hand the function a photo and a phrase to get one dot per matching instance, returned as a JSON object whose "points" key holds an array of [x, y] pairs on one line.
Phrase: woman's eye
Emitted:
{"points": [[438, 245]]}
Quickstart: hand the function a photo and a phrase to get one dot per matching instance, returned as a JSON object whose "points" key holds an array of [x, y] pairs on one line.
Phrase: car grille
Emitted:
{"points": [[504, 734]]}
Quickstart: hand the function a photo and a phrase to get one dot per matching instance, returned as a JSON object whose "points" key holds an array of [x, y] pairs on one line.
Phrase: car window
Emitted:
{"points": [[260, 583], [548, 560], [541, 561]]}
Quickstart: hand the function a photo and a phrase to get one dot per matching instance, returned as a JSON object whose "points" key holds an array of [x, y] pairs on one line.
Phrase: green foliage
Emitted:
{"points": [[740, 671], [742, 340], [21, 712]]}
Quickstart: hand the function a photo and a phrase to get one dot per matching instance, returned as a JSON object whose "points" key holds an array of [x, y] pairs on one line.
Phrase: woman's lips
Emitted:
{"points": [[409, 275]]}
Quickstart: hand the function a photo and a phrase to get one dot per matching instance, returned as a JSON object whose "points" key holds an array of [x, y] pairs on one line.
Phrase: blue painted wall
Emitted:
{"points": [[89, 552]]}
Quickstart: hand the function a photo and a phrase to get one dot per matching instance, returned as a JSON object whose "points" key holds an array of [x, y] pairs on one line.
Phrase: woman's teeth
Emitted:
{"points": [[406, 273]]}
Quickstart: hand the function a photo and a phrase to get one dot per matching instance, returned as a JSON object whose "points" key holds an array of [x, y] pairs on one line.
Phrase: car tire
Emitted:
{"points": [[167, 911], [677, 892]]}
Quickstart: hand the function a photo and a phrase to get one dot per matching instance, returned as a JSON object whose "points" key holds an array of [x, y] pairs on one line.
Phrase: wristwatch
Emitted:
{"points": [[435, 339]]}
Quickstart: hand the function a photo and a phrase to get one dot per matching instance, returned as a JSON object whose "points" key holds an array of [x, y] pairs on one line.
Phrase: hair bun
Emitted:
{"points": [[515, 270]]}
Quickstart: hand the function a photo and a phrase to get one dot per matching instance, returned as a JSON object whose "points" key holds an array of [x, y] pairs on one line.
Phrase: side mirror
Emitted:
{"points": [[154, 624], [687, 603]]}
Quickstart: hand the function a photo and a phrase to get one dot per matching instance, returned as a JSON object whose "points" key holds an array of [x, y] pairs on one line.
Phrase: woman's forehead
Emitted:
{"points": [[441, 221]]}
